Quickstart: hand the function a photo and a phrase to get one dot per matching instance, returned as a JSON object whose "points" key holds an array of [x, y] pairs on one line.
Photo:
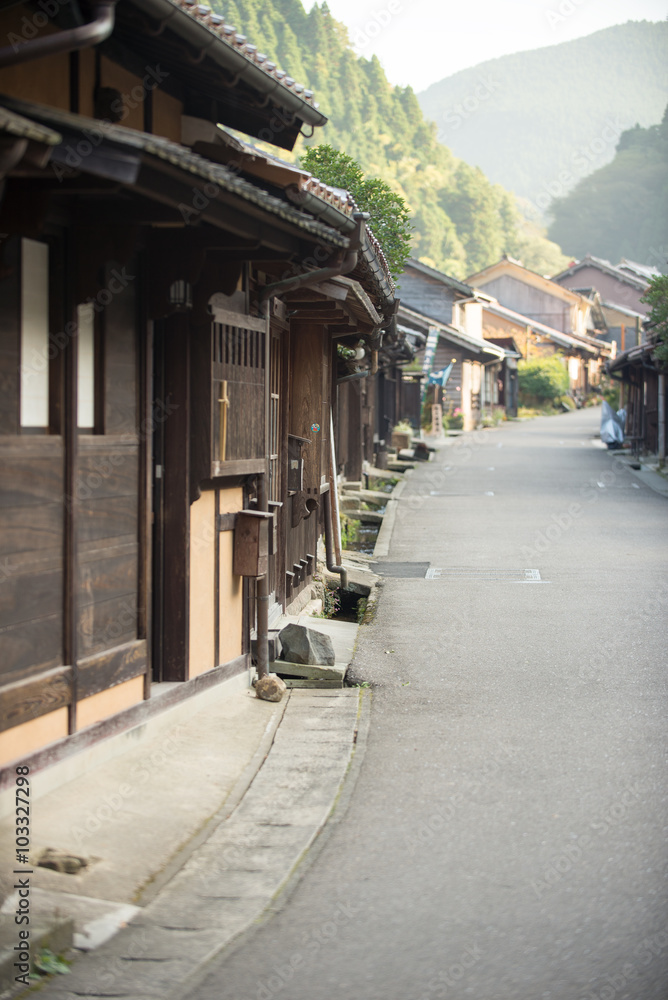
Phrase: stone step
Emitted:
{"points": [[366, 516], [316, 675]]}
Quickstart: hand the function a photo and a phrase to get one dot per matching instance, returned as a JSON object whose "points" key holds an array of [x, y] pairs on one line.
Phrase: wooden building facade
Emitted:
{"points": [[168, 358]]}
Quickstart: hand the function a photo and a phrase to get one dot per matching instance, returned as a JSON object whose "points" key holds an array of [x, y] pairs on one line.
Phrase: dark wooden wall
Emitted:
{"points": [[71, 542]]}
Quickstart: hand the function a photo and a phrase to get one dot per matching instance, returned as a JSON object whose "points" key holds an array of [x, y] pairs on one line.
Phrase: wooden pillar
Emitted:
{"points": [[176, 517]]}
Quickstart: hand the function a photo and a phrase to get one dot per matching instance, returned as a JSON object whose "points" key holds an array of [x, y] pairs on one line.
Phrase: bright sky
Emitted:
{"points": [[422, 41]]}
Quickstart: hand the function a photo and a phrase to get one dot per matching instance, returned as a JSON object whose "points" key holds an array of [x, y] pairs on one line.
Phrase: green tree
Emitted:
{"points": [[390, 217], [657, 297], [542, 379]]}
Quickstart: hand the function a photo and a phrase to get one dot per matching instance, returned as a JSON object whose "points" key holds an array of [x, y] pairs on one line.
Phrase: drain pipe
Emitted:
{"points": [[329, 547], [345, 266], [334, 516], [262, 596], [83, 37], [269, 292]]}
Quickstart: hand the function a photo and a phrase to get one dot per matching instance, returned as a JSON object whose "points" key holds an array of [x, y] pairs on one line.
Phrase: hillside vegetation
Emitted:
{"points": [[621, 210], [538, 122], [462, 221]]}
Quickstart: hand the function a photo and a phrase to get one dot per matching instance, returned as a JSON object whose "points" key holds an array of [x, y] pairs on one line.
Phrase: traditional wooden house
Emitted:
{"points": [[542, 317], [170, 306], [643, 395], [448, 315], [620, 287]]}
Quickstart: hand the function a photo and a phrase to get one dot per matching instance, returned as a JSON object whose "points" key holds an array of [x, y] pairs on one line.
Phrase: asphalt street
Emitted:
{"points": [[505, 837]]}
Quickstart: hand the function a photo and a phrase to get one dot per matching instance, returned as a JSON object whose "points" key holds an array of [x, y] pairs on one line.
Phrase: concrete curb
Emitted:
{"points": [[241, 866], [382, 546]]}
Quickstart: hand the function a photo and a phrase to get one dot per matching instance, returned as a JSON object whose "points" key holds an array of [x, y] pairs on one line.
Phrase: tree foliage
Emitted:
{"points": [[621, 210], [543, 379], [390, 218], [382, 128], [539, 121], [657, 298]]}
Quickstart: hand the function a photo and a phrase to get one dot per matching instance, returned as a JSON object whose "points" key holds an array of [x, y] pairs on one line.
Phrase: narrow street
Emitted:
{"points": [[506, 835]]}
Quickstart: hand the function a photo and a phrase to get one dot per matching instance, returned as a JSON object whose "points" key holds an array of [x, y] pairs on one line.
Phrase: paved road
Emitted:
{"points": [[505, 839]]}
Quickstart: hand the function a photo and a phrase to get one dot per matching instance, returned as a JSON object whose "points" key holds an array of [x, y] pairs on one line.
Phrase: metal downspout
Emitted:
{"points": [[329, 548], [332, 512], [268, 293], [69, 40], [662, 417], [308, 278], [262, 596]]}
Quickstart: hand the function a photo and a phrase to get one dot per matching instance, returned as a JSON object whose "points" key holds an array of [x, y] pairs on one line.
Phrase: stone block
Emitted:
{"points": [[306, 645]]}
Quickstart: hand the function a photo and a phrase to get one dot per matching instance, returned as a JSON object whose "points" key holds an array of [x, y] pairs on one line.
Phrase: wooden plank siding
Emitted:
{"points": [[31, 546], [69, 550]]}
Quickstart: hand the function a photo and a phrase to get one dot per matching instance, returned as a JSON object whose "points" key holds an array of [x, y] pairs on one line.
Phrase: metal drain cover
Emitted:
{"points": [[416, 570], [483, 573]]}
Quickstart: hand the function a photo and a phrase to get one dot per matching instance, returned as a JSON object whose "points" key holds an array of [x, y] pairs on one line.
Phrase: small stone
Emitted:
{"points": [[270, 688], [61, 861], [306, 645]]}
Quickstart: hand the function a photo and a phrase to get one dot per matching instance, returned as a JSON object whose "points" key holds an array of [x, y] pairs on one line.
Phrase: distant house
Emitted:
{"points": [[620, 288], [448, 314], [543, 317]]}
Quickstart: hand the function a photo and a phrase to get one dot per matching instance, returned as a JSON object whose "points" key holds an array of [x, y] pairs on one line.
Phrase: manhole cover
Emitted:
{"points": [[416, 570]]}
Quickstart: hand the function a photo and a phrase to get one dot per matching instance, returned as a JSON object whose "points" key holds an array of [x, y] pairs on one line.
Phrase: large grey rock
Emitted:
{"points": [[305, 645]]}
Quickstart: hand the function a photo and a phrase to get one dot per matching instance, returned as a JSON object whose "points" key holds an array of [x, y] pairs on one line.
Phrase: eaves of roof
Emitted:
{"points": [[333, 206], [633, 356], [445, 279], [23, 128], [606, 267], [622, 309], [181, 157], [564, 339], [209, 33], [548, 285], [454, 334]]}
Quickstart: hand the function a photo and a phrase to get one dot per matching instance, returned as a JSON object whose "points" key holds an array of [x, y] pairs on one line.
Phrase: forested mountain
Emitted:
{"points": [[462, 221], [538, 122], [621, 210]]}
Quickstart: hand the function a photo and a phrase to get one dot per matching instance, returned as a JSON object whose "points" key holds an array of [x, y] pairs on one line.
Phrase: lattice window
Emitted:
{"points": [[239, 356]]}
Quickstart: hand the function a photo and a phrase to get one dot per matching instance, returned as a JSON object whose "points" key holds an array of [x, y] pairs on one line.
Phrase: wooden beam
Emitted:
{"points": [[112, 667], [37, 696]]}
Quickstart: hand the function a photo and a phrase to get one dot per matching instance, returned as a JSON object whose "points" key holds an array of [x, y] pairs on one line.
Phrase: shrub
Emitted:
{"points": [[542, 379]]}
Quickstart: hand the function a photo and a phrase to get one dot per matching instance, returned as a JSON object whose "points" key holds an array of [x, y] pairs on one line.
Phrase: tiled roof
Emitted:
{"points": [[573, 340], [228, 36], [604, 265], [23, 128], [183, 158], [446, 279], [306, 186]]}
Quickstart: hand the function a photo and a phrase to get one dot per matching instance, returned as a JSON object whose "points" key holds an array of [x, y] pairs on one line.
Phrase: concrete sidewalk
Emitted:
{"points": [[189, 836]]}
